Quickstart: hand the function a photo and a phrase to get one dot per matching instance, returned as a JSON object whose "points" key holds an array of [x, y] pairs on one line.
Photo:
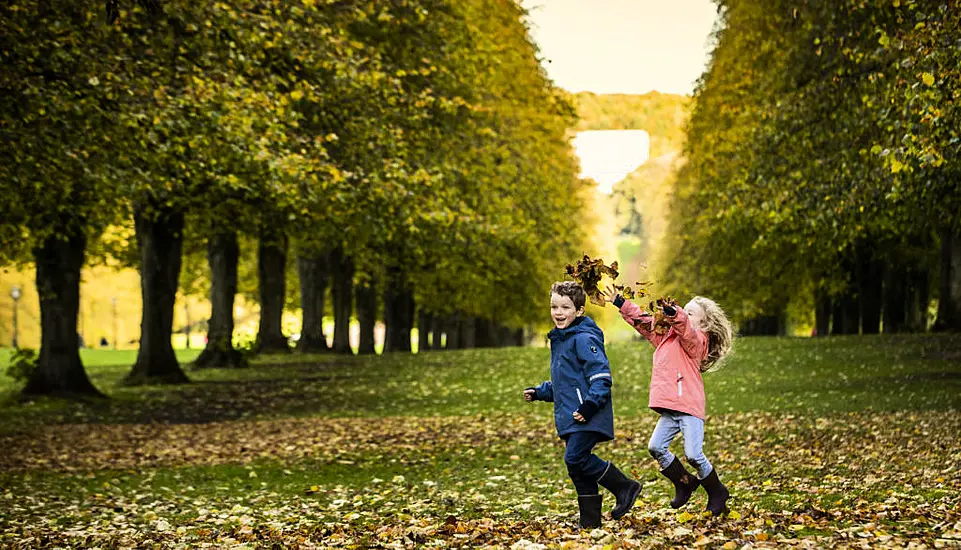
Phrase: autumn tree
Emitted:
{"points": [[59, 135], [806, 158]]}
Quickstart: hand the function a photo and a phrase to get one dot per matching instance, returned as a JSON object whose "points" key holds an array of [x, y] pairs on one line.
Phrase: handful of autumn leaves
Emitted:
{"points": [[588, 274]]}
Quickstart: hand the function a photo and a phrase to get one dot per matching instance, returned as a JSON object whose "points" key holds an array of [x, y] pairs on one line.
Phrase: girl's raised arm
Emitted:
{"points": [[642, 321], [693, 341]]}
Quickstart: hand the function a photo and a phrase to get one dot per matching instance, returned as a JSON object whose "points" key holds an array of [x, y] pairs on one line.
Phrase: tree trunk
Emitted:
{"points": [[160, 238], [398, 315], [870, 294], [917, 300], [424, 321], [59, 370], [949, 297], [762, 325], [272, 272], [312, 269], [468, 332], [366, 297], [496, 334], [506, 337], [223, 254], [498, 337], [895, 298], [342, 293], [772, 325], [822, 314], [436, 332], [846, 314], [453, 330], [483, 333]]}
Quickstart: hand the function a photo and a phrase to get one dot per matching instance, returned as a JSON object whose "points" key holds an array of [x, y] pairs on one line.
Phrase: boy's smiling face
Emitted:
{"points": [[563, 311]]}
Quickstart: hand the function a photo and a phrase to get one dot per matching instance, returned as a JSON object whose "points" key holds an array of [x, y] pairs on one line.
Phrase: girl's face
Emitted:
{"points": [[563, 311], [696, 313]]}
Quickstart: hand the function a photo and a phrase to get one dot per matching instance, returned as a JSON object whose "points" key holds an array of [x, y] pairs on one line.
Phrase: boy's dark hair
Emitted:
{"points": [[572, 290]]}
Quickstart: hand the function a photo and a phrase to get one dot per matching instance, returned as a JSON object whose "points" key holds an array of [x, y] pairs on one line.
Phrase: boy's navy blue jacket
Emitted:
{"points": [[580, 373]]}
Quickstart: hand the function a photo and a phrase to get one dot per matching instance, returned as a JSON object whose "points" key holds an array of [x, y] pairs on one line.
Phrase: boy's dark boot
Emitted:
{"points": [[684, 482], [590, 507], [717, 494], [624, 488]]}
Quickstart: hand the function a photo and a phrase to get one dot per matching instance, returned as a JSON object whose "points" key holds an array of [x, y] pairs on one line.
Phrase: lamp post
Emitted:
{"points": [[187, 324], [113, 301], [15, 294], [82, 342]]}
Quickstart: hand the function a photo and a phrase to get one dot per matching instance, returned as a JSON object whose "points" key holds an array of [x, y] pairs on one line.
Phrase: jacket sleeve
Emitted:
{"points": [[544, 392], [693, 341], [597, 370], [642, 322]]}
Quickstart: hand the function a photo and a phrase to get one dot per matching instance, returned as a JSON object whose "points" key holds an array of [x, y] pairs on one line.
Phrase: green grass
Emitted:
{"points": [[813, 376], [96, 361], [348, 446]]}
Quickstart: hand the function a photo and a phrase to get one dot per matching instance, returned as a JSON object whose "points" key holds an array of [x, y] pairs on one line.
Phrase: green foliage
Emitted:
{"points": [[246, 346], [816, 133], [417, 136], [21, 365]]}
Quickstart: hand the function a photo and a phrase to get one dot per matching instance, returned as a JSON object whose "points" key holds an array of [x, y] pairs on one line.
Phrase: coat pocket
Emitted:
{"points": [[579, 398]]}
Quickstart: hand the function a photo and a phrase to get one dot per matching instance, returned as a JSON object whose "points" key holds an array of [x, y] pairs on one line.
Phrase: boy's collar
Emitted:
{"points": [[559, 331]]}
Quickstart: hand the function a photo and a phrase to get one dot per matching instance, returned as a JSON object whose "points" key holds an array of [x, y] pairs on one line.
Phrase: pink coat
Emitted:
{"points": [[676, 381]]}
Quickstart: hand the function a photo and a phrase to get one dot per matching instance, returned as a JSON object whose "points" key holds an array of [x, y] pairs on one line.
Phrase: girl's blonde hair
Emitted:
{"points": [[720, 334]]}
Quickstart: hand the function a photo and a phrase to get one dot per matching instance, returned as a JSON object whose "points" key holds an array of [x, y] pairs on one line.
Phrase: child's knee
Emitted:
{"points": [[697, 460], [575, 463], [656, 451]]}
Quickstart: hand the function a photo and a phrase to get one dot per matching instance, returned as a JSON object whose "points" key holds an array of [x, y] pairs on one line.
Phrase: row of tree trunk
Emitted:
{"points": [[881, 296], [317, 271], [894, 297], [59, 261]]}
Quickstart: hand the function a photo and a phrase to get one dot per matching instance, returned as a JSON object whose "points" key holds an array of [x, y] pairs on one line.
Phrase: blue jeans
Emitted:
{"points": [[692, 428], [584, 467]]}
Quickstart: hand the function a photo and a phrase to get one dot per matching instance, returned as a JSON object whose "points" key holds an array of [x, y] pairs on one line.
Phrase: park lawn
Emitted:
{"points": [[827, 442]]}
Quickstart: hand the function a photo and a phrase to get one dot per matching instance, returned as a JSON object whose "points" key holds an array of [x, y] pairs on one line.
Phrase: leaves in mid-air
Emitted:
{"points": [[588, 273]]}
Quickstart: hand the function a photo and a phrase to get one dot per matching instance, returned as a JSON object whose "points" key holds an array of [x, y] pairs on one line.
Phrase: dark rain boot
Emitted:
{"points": [[624, 488], [590, 507], [684, 483], [717, 494]]}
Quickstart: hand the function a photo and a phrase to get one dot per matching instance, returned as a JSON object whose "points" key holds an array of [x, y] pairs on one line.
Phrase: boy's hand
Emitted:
{"points": [[586, 411], [529, 394]]}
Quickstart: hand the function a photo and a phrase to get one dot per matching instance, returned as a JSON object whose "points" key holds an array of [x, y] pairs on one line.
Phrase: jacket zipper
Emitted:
{"points": [[579, 398], [680, 389]]}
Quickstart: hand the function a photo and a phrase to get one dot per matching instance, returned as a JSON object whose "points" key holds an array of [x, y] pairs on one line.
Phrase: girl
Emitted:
{"points": [[699, 337], [580, 388]]}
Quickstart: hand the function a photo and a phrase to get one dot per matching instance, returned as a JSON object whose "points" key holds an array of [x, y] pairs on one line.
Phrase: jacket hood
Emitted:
{"points": [[581, 324]]}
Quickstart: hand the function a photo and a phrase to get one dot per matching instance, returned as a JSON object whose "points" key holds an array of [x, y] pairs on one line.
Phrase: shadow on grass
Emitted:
{"points": [[296, 389]]}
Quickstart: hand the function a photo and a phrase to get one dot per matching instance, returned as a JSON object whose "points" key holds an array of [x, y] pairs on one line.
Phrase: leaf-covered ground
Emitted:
{"points": [[845, 443]]}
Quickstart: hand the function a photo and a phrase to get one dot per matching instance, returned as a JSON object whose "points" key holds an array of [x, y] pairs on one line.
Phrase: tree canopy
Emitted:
{"points": [[819, 141], [419, 137]]}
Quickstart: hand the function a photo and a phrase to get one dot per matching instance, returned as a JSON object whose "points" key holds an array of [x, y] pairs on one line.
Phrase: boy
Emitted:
{"points": [[580, 387]]}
